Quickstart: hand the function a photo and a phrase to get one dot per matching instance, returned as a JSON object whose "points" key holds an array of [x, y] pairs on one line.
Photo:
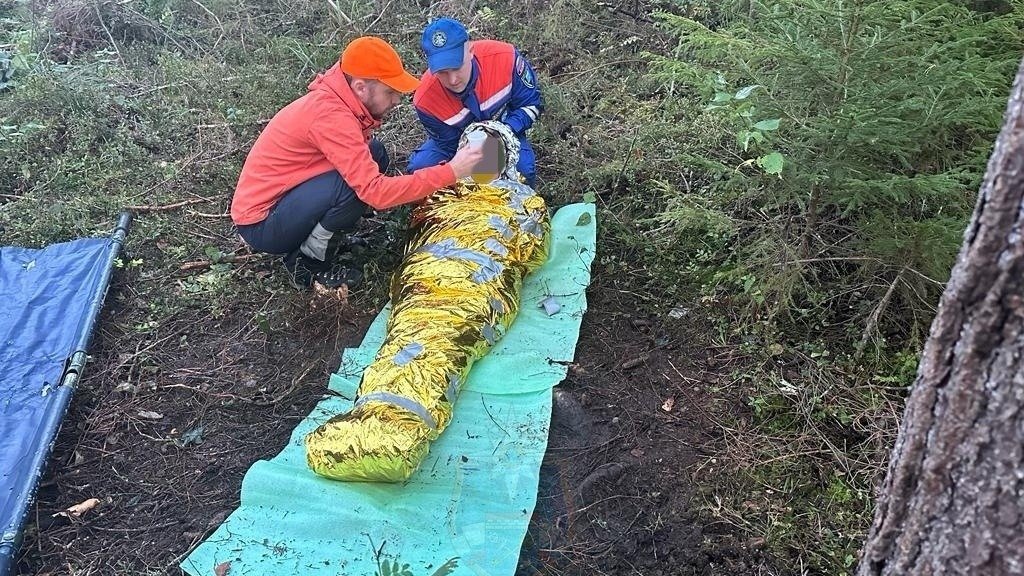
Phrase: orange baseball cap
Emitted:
{"points": [[372, 57]]}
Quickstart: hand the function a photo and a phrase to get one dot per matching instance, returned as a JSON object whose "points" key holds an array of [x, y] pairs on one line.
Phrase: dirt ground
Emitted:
{"points": [[166, 424]]}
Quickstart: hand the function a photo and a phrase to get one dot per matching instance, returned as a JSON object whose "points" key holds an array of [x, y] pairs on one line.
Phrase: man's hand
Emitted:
{"points": [[466, 158]]}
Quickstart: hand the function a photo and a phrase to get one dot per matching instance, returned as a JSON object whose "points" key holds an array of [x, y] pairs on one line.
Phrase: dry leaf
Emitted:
{"points": [[330, 296], [576, 370], [150, 415], [636, 452], [669, 404], [78, 509], [222, 569]]}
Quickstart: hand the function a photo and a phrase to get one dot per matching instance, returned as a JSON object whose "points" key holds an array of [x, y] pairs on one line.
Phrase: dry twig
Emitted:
{"points": [[876, 314], [154, 208], [204, 264]]}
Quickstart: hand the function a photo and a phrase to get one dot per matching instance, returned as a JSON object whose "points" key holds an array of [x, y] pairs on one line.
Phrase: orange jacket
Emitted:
{"points": [[326, 129]]}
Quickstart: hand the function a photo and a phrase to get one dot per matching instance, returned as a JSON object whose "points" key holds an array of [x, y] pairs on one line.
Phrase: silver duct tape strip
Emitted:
{"points": [[452, 391], [501, 226], [489, 334], [518, 193], [489, 268], [402, 402], [531, 224], [487, 273], [408, 353], [497, 305], [494, 245]]}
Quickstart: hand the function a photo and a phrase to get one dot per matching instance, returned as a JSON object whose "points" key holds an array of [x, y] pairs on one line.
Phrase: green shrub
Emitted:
{"points": [[823, 181], [855, 137]]}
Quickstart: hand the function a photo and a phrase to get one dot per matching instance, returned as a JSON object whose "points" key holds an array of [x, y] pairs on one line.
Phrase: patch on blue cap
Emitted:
{"points": [[438, 39]]}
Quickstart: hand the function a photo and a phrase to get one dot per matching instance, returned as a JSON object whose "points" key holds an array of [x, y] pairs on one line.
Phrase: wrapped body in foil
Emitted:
{"points": [[454, 295]]}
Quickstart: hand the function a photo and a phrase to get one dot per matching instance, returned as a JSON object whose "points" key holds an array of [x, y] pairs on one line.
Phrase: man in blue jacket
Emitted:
{"points": [[471, 81]]}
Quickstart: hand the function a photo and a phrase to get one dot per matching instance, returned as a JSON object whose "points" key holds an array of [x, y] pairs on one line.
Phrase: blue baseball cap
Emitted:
{"points": [[443, 41]]}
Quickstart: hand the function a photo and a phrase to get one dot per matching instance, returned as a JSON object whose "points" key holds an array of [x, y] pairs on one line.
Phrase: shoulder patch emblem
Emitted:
{"points": [[438, 39], [526, 75]]}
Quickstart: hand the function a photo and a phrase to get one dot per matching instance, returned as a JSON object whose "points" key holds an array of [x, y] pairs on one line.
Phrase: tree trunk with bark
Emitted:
{"points": [[953, 499]]}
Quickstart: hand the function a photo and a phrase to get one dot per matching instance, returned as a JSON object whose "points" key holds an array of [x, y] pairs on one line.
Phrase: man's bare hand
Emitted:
{"points": [[466, 158]]}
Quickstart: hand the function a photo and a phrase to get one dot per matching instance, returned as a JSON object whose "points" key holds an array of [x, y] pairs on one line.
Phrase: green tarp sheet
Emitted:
{"points": [[473, 497]]}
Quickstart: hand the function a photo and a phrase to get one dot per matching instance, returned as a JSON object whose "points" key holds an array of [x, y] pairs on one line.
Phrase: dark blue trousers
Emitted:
{"points": [[326, 200]]}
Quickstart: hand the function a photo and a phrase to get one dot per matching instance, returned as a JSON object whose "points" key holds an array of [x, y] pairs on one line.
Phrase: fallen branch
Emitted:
{"points": [[219, 23], [204, 264], [876, 314], [99, 16], [152, 208], [609, 472], [634, 362]]}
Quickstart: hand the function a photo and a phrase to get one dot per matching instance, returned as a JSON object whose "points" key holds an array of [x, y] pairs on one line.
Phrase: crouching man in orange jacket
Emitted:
{"points": [[314, 169]]}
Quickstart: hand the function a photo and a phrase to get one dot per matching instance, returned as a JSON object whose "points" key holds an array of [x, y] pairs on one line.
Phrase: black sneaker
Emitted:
{"points": [[337, 276], [303, 271]]}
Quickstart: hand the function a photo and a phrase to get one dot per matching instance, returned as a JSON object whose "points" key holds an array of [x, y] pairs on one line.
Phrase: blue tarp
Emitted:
{"points": [[50, 298]]}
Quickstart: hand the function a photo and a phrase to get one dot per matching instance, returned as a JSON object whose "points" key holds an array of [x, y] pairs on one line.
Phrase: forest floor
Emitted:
{"points": [[165, 426]]}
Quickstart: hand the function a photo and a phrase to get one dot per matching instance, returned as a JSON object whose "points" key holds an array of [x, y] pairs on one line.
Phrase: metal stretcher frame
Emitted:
{"points": [[25, 493]]}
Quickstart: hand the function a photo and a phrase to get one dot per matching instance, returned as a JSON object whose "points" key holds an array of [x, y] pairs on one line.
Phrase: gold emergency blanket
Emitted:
{"points": [[455, 294]]}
